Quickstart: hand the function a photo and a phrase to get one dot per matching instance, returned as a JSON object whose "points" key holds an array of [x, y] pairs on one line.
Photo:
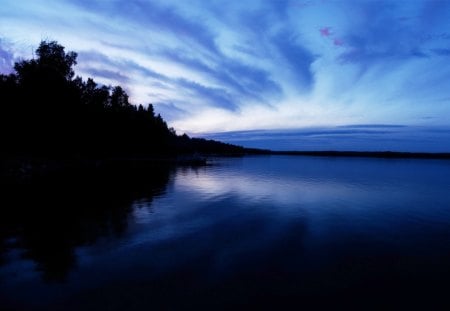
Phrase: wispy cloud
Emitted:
{"points": [[441, 52], [7, 58], [349, 138], [221, 65], [298, 58], [215, 96]]}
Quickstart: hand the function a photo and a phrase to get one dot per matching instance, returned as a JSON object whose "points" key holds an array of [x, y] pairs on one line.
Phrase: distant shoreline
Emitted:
{"points": [[363, 154]]}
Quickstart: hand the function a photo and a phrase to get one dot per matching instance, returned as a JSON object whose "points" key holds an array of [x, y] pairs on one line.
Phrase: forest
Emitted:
{"points": [[49, 112], [49, 115]]}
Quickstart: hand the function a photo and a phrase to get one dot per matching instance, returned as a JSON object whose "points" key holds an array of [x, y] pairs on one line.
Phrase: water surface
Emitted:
{"points": [[268, 231]]}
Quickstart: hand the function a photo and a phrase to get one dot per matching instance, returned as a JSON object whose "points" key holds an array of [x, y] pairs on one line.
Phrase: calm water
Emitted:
{"points": [[245, 232]]}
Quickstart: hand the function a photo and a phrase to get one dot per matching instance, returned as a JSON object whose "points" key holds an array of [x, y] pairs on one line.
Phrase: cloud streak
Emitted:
{"points": [[7, 58], [221, 66], [349, 138]]}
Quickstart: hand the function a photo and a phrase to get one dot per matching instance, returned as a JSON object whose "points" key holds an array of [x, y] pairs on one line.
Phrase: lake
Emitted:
{"points": [[250, 232]]}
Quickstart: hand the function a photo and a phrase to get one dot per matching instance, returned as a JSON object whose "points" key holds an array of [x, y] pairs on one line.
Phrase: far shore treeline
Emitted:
{"points": [[48, 112]]}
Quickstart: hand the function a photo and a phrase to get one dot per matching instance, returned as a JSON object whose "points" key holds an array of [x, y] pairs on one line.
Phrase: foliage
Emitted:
{"points": [[47, 112]]}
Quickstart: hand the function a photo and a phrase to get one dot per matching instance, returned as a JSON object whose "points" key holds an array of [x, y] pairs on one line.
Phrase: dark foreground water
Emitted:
{"points": [[255, 232]]}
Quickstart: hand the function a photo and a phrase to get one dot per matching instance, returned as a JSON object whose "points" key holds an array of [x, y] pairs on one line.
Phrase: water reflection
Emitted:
{"points": [[46, 221], [253, 232]]}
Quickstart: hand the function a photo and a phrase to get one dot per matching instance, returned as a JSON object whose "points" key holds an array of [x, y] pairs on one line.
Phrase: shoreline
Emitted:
{"points": [[367, 154], [25, 169]]}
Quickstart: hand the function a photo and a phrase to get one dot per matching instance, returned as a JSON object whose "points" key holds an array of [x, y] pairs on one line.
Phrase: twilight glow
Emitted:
{"points": [[221, 66]]}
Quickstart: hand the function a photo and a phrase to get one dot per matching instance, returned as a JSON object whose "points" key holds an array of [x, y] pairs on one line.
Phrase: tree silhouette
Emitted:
{"points": [[49, 112], [119, 99], [53, 56]]}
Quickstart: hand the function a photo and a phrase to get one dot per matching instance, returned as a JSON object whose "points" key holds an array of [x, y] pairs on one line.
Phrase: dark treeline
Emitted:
{"points": [[48, 112]]}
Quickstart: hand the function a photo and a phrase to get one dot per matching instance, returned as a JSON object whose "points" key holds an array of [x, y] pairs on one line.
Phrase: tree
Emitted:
{"points": [[119, 98], [45, 111], [52, 55], [52, 62], [151, 111]]}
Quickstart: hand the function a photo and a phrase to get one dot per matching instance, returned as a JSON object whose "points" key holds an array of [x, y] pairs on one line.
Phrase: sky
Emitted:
{"points": [[248, 70]]}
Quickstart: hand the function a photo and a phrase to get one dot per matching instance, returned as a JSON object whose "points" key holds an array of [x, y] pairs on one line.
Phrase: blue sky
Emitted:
{"points": [[239, 66]]}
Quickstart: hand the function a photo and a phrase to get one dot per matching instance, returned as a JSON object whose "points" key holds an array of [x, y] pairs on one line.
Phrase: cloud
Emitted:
{"points": [[353, 137], [215, 96], [325, 31], [242, 80], [218, 71], [6, 58], [441, 52], [381, 35], [96, 63], [157, 16], [109, 75], [222, 65], [171, 110], [298, 58], [338, 42]]}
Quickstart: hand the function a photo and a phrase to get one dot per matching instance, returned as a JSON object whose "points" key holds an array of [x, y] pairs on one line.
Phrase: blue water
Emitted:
{"points": [[252, 232]]}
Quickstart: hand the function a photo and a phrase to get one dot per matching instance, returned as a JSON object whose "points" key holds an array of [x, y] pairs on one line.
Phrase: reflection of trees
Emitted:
{"points": [[52, 217]]}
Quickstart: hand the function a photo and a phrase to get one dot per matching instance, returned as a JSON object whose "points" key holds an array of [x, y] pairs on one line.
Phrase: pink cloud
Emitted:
{"points": [[325, 31], [338, 42]]}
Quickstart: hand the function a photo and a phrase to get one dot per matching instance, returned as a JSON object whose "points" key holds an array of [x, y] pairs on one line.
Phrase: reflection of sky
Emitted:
{"points": [[327, 193], [291, 212], [253, 188], [214, 66]]}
